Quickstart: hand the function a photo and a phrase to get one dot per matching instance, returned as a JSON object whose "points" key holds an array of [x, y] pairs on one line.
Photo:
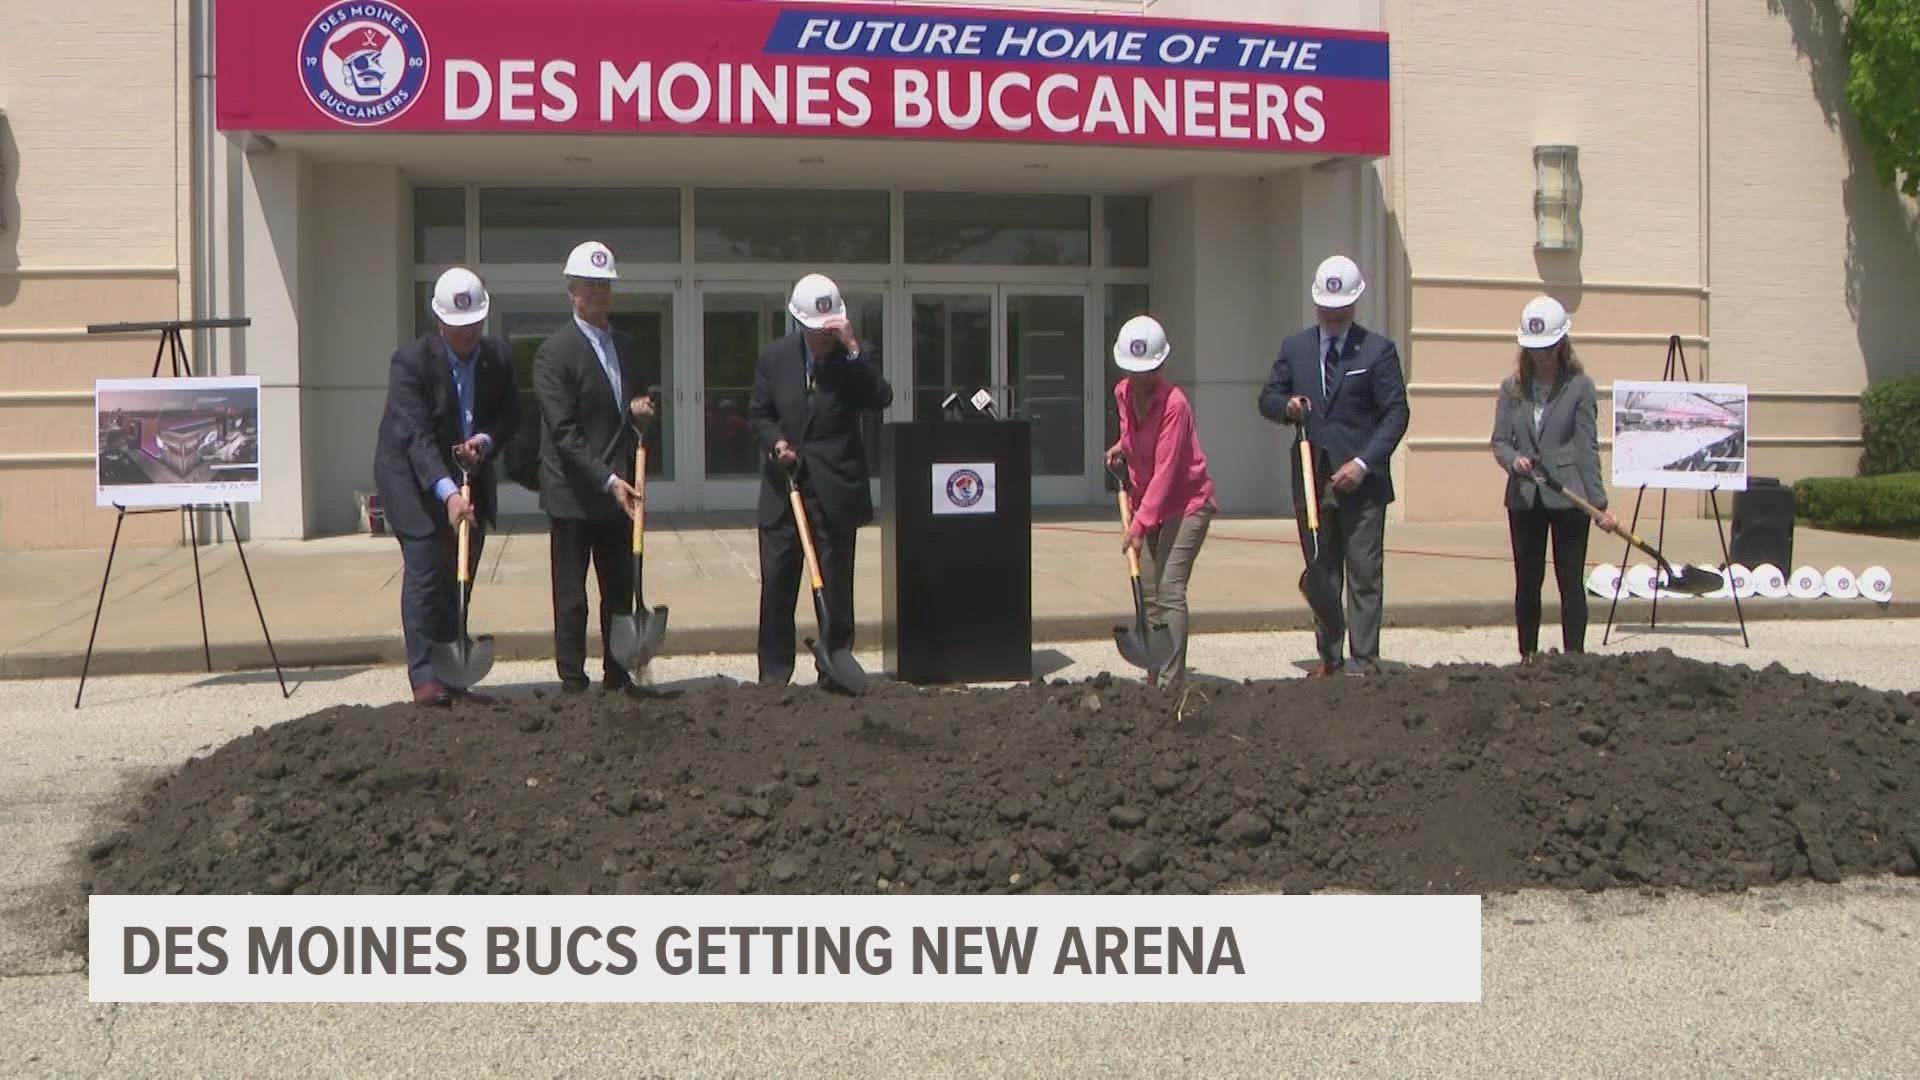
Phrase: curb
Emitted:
{"points": [[389, 650]]}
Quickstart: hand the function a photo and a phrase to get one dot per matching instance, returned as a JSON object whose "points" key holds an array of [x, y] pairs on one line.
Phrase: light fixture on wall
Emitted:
{"points": [[1556, 198]]}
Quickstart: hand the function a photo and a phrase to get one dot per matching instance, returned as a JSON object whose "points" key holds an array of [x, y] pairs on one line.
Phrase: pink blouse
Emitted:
{"points": [[1165, 466]]}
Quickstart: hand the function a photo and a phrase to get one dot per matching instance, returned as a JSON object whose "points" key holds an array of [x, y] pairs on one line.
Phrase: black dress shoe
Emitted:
{"points": [[571, 687]]}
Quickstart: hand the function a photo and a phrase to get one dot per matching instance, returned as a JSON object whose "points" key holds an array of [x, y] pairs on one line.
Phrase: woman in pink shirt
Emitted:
{"points": [[1167, 483]]}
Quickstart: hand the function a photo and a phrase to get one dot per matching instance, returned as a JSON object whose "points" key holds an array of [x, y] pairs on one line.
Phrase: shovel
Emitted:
{"points": [[1138, 646], [1322, 596], [839, 666], [1694, 580], [463, 662], [634, 638]]}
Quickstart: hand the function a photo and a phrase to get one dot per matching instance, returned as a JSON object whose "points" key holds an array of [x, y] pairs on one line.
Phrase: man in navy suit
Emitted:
{"points": [[1345, 384], [450, 406]]}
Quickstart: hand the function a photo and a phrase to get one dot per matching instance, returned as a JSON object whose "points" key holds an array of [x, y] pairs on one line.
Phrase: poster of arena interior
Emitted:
{"points": [[176, 441], [1683, 435]]}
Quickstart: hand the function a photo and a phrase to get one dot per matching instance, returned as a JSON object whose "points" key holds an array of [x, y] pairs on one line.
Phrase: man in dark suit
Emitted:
{"points": [[808, 390], [591, 384], [450, 406], [1345, 384]]}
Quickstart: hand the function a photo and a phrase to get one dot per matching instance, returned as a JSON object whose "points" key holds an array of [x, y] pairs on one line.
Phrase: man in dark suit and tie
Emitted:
{"points": [[1345, 384], [591, 383], [808, 391], [450, 406]]}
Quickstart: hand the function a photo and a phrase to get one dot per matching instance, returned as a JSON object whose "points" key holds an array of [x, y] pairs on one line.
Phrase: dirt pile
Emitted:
{"points": [[1584, 772]]}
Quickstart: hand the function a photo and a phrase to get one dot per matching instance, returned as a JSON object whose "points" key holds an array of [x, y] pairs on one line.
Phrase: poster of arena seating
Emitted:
{"points": [[176, 442], [1689, 436]]}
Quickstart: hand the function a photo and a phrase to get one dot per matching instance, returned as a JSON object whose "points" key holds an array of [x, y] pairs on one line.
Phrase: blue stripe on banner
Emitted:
{"points": [[1165, 46]]}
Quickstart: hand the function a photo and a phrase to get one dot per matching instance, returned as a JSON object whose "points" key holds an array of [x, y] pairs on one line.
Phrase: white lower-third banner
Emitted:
{"points": [[785, 948]]}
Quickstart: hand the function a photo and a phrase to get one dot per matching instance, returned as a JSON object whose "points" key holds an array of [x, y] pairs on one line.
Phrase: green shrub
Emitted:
{"points": [[1890, 422], [1860, 503]]}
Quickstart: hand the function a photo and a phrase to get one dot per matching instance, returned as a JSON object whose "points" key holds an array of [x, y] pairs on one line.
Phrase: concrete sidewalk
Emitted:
{"points": [[336, 600]]}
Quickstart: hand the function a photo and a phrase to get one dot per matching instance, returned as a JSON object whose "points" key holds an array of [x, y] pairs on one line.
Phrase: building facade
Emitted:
{"points": [[996, 189]]}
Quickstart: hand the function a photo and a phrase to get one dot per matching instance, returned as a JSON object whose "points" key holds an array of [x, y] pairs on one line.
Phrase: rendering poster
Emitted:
{"points": [[1683, 435], [176, 441]]}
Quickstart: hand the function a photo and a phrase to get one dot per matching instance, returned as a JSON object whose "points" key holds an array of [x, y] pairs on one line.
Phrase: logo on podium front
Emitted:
{"points": [[963, 488]]}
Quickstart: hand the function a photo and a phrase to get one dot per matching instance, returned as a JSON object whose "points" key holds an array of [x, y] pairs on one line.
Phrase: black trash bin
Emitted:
{"points": [[1763, 524]]}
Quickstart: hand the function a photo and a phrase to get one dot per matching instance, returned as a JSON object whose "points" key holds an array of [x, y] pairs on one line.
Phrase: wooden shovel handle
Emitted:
{"points": [[460, 570], [1307, 484], [806, 538], [640, 508], [1126, 526]]}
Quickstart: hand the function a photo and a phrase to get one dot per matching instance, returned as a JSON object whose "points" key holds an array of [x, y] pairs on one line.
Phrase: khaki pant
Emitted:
{"points": [[1166, 564]]}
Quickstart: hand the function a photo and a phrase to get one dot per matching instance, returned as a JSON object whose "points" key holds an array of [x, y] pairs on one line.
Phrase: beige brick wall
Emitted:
{"points": [[1815, 263], [95, 203]]}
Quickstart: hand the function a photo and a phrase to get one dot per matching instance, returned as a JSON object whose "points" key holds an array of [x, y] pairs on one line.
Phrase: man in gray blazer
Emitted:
{"points": [[591, 383], [1344, 383]]}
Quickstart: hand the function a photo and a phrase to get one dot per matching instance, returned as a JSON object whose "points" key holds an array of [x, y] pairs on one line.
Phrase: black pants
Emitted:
{"points": [[430, 594], [608, 545], [783, 568], [1529, 530]]}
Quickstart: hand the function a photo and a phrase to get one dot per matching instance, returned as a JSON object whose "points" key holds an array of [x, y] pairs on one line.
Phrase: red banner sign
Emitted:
{"points": [[747, 67]]}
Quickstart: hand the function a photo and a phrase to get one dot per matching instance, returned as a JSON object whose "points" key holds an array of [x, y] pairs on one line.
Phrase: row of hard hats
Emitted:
{"points": [[1807, 583], [460, 299]]}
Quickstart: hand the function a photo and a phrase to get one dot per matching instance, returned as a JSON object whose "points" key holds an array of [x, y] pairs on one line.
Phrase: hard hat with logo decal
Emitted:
{"points": [[815, 299], [459, 298], [1337, 283], [1142, 345], [592, 259], [1543, 322]]}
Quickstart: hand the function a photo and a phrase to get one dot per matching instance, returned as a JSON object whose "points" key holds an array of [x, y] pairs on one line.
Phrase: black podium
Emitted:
{"points": [[956, 533]]}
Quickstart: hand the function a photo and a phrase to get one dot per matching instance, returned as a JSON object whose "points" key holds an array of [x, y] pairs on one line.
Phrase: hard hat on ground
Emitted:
{"points": [[1142, 345], [459, 298], [815, 299], [1337, 283], [1543, 322], [592, 259]]}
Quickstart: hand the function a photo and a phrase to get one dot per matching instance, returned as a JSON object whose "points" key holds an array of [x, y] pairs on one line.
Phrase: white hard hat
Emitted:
{"points": [[1543, 322], [592, 259], [1142, 344], [1337, 283], [459, 299], [815, 299]]}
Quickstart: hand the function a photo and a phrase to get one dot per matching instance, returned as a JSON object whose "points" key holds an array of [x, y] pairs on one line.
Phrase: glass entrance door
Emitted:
{"points": [[737, 323], [1027, 346], [527, 318]]}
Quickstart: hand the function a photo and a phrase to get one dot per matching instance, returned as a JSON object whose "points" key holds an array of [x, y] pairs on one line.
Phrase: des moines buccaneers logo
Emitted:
{"points": [[964, 487], [363, 64]]}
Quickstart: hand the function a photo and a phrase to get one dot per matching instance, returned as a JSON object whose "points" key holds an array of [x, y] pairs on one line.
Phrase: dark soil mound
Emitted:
{"points": [[1590, 772]]}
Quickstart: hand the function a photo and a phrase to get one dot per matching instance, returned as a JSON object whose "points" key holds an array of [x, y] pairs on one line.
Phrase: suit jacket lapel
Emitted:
{"points": [[591, 357]]}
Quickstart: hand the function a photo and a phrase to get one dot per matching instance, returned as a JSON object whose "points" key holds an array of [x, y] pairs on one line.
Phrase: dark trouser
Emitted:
{"points": [[1529, 530], [783, 567], [608, 546], [429, 596], [1353, 555]]}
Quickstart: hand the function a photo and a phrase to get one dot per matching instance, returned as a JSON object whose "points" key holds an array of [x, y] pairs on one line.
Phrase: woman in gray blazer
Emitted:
{"points": [[1547, 420]]}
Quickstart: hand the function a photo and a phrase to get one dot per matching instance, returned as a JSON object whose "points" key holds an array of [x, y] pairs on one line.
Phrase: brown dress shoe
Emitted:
{"points": [[1324, 670], [472, 697], [431, 694]]}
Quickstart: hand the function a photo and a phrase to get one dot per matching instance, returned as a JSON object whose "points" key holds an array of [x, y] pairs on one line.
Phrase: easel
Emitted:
{"points": [[1676, 361], [173, 346]]}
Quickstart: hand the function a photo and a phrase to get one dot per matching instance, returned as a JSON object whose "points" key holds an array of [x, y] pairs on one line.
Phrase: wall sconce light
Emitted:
{"points": [[1556, 198]]}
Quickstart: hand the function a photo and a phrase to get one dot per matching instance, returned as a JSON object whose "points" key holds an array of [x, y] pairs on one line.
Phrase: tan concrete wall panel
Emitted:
{"points": [[92, 94], [1483, 82], [37, 301], [51, 506], [1815, 263]]}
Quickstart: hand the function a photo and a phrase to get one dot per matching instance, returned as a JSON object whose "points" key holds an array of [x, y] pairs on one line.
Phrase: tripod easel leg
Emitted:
{"points": [[1625, 554], [118, 521], [1660, 543], [193, 542], [240, 549]]}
